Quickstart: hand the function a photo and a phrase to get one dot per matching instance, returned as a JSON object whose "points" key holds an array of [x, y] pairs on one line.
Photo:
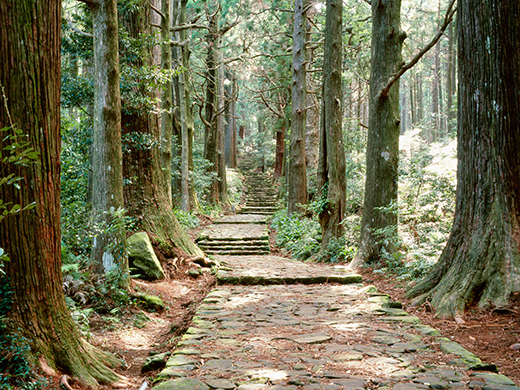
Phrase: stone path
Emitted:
{"points": [[274, 324]]}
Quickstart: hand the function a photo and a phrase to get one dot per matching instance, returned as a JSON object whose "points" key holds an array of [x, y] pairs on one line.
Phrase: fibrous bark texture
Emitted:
{"points": [[481, 260], [297, 166], [30, 80], [145, 191], [107, 159], [331, 167], [383, 135]]}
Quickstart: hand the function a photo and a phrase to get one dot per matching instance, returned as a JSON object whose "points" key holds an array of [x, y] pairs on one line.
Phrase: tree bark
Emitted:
{"points": [[297, 164], [146, 195], [30, 100], [166, 100], [481, 260], [331, 167], [107, 171], [186, 116], [383, 136], [211, 143], [312, 125], [450, 79]]}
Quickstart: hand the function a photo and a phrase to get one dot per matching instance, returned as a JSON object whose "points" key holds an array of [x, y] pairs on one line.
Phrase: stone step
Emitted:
{"points": [[256, 209], [238, 252], [232, 239], [233, 244]]}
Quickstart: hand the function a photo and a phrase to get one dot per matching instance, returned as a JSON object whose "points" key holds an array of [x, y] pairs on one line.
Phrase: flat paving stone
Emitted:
{"points": [[234, 231], [268, 270], [274, 323], [243, 219]]}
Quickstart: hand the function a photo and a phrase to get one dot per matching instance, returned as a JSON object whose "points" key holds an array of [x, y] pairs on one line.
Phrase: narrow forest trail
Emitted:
{"points": [[276, 323]]}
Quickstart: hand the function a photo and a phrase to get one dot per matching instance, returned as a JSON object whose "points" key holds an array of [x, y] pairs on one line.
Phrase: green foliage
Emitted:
{"points": [[235, 185], [334, 252], [299, 235], [17, 370], [188, 220], [319, 205], [17, 152]]}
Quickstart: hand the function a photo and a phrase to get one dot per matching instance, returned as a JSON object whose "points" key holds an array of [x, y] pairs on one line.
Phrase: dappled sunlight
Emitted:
{"points": [[272, 374]]}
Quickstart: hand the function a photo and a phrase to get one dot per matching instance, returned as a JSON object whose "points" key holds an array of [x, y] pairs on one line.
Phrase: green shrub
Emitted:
{"points": [[299, 235], [17, 370]]}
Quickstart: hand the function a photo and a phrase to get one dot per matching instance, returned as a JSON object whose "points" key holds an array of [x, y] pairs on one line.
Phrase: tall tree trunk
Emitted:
{"points": [[221, 129], [166, 100], [383, 136], [107, 165], [279, 153], [331, 167], [412, 100], [419, 94], [450, 80], [30, 100], [481, 260], [146, 195], [297, 165], [312, 125], [231, 124], [186, 115], [211, 142]]}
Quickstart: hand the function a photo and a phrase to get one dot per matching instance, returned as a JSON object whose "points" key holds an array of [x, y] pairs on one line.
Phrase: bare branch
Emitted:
{"points": [[447, 20], [157, 10], [75, 29], [187, 26]]}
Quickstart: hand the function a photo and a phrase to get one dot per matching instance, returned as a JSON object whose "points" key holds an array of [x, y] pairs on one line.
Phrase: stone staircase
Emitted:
{"points": [[260, 193], [245, 233]]}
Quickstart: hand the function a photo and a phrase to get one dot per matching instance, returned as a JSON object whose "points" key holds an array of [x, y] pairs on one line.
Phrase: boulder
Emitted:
{"points": [[142, 257], [149, 302]]}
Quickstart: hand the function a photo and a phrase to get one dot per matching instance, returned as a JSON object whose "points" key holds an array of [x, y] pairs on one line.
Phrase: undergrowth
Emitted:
{"points": [[17, 370], [425, 209]]}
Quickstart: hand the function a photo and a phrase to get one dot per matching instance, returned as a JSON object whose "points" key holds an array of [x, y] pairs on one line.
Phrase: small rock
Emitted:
{"points": [[316, 338], [182, 384], [515, 347], [155, 362], [219, 383], [149, 302]]}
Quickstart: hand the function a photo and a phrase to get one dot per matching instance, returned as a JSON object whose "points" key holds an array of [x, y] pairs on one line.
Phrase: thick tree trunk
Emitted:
{"points": [[331, 167], [107, 171], [30, 99], [297, 164], [383, 136], [146, 196], [481, 261]]}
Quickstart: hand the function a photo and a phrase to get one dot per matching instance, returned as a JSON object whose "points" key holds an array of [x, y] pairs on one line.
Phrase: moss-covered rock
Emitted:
{"points": [[142, 257], [149, 302]]}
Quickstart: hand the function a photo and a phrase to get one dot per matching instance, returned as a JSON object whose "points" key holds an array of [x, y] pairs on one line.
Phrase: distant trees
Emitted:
{"points": [[30, 101], [481, 260]]}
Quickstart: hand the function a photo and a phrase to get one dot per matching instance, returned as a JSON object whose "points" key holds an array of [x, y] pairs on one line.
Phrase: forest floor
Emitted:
{"points": [[133, 334]]}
